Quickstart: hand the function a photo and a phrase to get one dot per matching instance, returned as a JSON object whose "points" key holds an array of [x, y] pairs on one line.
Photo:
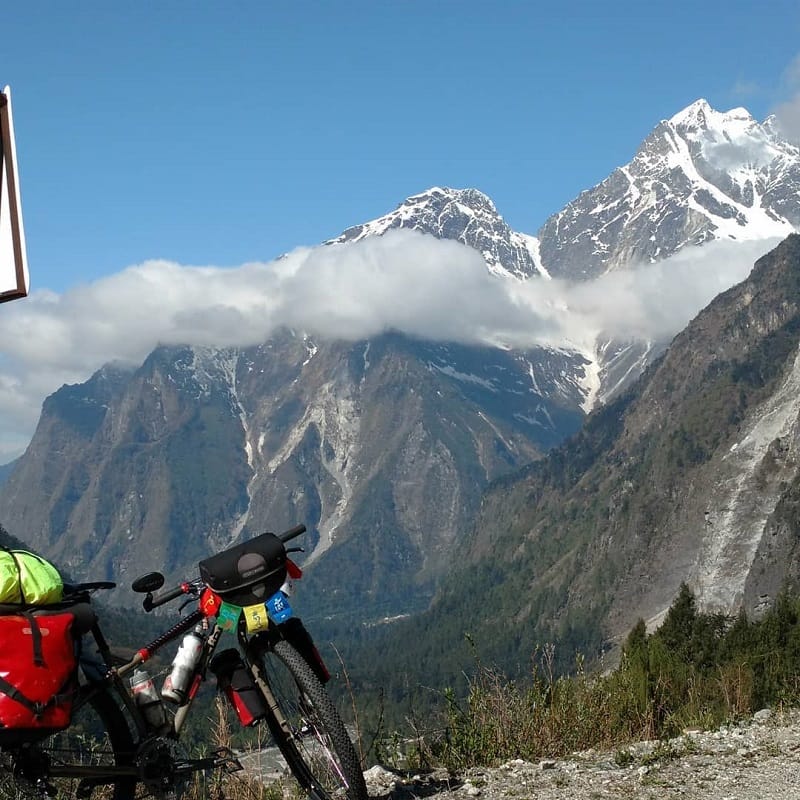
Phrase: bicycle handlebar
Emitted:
{"points": [[292, 533], [152, 601]]}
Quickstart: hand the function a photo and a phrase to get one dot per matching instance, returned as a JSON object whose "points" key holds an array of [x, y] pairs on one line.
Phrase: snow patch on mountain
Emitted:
{"points": [[452, 372], [735, 144], [510, 446], [615, 366], [532, 244], [590, 382], [539, 414], [311, 349]]}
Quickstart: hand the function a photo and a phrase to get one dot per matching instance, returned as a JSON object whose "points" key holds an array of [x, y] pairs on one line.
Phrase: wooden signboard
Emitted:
{"points": [[13, 257]]}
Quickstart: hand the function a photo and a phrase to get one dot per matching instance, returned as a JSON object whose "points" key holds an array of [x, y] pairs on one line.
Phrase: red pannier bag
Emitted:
{"points": [[38, 673]]}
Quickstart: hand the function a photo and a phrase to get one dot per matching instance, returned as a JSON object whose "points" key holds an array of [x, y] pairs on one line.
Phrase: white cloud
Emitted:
{"points": [[788, 116], [658, 300], [404, 280]]}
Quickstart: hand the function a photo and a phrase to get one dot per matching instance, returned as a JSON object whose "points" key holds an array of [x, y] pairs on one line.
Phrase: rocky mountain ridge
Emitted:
{"points": [[386, 443]]}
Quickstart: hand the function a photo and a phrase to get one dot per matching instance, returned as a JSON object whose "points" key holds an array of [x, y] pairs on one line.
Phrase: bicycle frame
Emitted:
{"points": [[109, 670], [115, 673]]}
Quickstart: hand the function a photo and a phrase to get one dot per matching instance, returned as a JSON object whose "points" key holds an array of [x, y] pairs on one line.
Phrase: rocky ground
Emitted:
{"points": [[756, 760]]}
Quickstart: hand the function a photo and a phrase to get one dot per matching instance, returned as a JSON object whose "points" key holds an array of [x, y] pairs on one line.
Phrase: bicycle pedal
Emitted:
{"points": [[227, 760]]}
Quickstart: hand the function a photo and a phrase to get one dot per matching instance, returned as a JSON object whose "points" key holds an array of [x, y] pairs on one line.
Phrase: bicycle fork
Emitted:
{"points": [[269, 697]]}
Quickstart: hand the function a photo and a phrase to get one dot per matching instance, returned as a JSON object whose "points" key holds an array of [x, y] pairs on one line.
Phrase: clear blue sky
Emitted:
{"points": [[219, 133]]}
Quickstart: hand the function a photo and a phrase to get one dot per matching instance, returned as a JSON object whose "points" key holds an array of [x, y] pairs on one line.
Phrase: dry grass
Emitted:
{"points": [[242, 785], [552, 716]]}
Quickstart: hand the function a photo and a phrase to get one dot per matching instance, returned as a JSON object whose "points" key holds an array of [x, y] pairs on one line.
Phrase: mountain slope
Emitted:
{"points": [[382, 448], [690, 476]]}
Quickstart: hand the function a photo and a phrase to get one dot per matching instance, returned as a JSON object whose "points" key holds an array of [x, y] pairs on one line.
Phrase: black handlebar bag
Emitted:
{"points": [[247, 573]]}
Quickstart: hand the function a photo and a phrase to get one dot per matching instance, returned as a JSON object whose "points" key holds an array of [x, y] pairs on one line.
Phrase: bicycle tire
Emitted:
{"points": [[317, 749], [98, 735]]}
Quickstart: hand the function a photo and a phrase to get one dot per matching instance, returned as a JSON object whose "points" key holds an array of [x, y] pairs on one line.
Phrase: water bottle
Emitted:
{"points": [[177, 684], [147, 698]]}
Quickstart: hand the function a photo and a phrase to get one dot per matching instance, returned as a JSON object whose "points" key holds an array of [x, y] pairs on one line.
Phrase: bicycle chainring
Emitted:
{"points": [[156, 760]]}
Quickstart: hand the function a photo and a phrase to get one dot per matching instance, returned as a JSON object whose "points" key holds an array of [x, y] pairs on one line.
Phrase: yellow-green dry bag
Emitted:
{"points": [[28, 579]]}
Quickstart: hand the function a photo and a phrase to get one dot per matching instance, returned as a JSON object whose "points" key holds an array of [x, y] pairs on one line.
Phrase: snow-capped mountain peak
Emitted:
{"points": [[733, 141], [701, 116], [700, 175], [465, 215]]}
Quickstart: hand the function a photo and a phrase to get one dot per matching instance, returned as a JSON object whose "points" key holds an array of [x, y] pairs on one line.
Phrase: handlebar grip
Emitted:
{"points": [[153, 601], [292, 533]]}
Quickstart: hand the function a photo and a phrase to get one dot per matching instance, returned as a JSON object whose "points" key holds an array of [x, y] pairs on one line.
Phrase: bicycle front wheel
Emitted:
{"points": [[90, 754], [314, 742]]}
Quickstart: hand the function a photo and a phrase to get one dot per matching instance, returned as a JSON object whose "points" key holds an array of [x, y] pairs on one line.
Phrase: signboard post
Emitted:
{"points": [[13, 257]]}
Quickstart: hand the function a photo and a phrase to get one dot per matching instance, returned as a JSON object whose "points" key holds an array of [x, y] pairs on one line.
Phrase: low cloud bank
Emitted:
{"points": [[406, 281]]}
